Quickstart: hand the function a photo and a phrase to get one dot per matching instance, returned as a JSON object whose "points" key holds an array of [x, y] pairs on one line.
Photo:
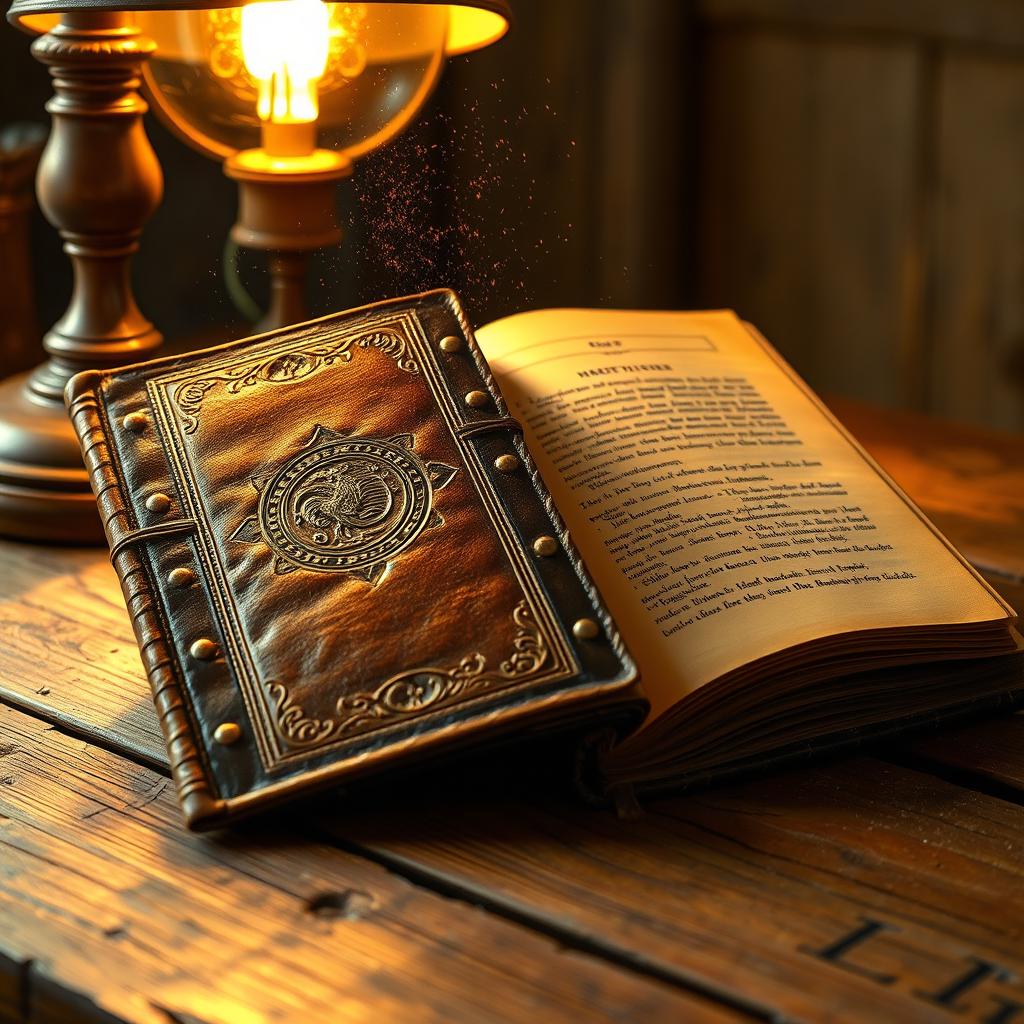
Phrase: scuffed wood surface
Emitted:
{"points": [[745, 884], [885, 887], [116, 908], [68, 651]]}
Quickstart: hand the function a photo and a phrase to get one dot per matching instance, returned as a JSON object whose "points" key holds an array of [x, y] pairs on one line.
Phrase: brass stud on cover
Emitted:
{"points": [[506, 463], [204, 649], [449, 343], [227, 733], [585, 629], [158, 503], [477, 399], [181, 577], [136, 422], [545, 546]]}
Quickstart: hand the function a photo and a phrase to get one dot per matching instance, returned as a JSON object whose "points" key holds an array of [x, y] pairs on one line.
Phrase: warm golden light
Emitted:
{"points": [[285, 44]]}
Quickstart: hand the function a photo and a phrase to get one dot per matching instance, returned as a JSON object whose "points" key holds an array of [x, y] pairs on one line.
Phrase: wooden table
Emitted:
{"points": [[885, 886]]}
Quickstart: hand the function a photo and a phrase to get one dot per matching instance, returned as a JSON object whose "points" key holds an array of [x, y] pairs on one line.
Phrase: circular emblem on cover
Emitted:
{"points": [[346, 504]]}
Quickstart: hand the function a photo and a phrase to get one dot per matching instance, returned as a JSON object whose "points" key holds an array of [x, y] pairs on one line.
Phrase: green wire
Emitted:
{"points": [[237, 292]]}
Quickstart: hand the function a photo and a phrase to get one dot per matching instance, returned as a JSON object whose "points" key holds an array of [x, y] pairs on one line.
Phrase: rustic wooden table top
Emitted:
{"points": [[885, 886]]}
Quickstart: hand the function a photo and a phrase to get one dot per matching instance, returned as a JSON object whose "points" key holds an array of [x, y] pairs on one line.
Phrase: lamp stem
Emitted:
{"points": [[98, 183], [287, 209], [287, 290]]}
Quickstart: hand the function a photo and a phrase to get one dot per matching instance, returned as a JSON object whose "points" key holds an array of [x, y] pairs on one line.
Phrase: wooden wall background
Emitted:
{"points": [[848, 174], [860, 193]]}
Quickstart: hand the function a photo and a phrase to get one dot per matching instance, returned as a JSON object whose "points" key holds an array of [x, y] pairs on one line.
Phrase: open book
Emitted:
{"points": [[775, 587], [341, 557]]}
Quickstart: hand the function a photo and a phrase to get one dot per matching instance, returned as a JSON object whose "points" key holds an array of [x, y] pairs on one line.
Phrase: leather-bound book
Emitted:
{"points": [[337, 555], [340, 558]]}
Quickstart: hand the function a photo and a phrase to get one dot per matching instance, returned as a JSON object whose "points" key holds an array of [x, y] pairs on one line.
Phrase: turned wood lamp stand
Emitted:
{"points": [[98, 183]]}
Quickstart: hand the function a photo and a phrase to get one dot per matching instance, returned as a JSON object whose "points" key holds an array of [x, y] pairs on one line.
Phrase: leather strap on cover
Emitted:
{"points": [[168, 529]]}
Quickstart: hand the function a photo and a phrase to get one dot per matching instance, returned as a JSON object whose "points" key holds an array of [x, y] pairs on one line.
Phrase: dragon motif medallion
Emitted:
{"points": [[345, 504]]}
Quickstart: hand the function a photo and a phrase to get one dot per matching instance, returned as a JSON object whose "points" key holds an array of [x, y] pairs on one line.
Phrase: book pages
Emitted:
{"points": [[723, 512]]}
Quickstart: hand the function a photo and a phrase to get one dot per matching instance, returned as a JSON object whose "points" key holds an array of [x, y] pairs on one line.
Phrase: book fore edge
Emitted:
{"points": [[188, 772]]}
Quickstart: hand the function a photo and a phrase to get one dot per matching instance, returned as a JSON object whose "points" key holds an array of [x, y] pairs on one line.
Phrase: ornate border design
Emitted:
{"points": [[286, 366], [399, 335], [410, 692]]}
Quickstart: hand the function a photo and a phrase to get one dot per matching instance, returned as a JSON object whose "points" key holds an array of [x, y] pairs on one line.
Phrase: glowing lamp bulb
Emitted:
{"points": [[285, 46]]}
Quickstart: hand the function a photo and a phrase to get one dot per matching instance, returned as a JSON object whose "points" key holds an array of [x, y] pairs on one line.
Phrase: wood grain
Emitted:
{"points": [[665, 893], [744, 885], [121, 911], [976, 366], [860, 167], [799, 138], [594, 204], [986, 751], [68, 651], [858, 890]]}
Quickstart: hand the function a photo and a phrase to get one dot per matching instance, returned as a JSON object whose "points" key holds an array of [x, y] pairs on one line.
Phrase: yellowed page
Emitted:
{"points": [[722, 512]]}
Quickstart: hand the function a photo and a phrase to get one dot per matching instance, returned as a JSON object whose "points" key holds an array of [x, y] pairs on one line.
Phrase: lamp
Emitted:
{"points": [[99, 181], [289, 92]]}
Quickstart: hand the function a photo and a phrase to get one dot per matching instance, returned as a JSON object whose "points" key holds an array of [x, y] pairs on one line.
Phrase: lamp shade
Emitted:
{"points": [[472, 24], [383, 61]]}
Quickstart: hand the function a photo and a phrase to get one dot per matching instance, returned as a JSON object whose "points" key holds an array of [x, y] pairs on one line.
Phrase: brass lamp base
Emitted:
{"points": [[44, 488]]}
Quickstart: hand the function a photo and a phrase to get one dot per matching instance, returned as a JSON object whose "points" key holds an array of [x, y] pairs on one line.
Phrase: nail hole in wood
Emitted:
{"points": [[349, 905]]}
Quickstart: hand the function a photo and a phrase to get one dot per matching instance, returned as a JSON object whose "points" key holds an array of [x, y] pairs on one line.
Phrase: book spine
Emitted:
{"points": [[82, 398]]}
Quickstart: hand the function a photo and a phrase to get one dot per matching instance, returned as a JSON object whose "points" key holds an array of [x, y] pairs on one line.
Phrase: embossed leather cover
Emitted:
{"points": [[326, 571]]}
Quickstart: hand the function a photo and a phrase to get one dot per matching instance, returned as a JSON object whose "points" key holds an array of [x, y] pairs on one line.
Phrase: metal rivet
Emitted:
{"points": [[204, 649], [450, 343], [136, 422], [585, 629], [181, 577], [158, 503], [545, 546], [477, 399], [506, 463], [227, 733]]}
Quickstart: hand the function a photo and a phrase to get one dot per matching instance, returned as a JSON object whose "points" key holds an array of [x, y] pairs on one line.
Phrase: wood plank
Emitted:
{"points": [[976, 366], [794, 893], [758, 886], [645, 167], [810, 218], [991, 751], [68, 651], [985, 23], [569, 185], [122, 912], [535, 859], [803, 860], [540, 166]]}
